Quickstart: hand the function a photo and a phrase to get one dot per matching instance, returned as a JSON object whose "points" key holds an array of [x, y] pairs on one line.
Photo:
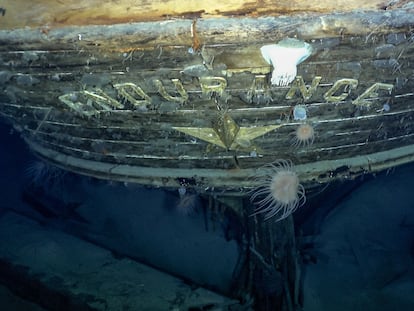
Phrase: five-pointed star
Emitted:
{"points": [[227, 134]]}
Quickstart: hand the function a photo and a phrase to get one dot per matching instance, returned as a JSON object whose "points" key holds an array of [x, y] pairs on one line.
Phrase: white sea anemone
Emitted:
{"points": [[304, 135], [187, 202], [279, 192], [284, 57], [42, 174]]}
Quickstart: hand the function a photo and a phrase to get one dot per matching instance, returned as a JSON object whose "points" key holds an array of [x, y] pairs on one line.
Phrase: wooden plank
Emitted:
{"points": [[139, 95], [47, 14]]}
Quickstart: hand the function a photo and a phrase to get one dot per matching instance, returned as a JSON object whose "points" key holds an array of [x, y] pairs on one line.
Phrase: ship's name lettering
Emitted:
{"points": [[90, 103]]}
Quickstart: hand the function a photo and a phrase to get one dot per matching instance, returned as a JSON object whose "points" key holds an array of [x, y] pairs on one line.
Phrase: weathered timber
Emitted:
{"points": [[171, 94], [136, 102], [51, 13]]}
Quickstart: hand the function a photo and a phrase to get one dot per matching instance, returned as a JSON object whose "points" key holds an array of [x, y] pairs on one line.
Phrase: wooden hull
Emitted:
{"points": [[189, 102]]}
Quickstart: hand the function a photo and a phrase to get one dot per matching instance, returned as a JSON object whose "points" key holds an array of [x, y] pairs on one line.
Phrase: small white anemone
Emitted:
{"points": [[284, 57], [304, 135], [43, 174], [279, 192], [187, 203]]}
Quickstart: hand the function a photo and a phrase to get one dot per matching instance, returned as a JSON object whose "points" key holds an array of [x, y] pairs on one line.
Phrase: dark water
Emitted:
{"points": [[356, 239]]}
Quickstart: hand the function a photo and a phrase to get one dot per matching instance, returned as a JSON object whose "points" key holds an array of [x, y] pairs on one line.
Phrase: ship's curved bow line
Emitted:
{"points": [[203, 99]]}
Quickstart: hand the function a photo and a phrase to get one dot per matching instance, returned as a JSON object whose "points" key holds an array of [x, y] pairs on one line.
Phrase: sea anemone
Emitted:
{"points": [[304, 135], [187, 203], [279, 192], [42, 174], [284, 57]]}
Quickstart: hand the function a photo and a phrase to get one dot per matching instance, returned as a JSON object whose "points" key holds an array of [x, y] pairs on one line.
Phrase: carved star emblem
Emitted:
{"points": [[227, 134]]}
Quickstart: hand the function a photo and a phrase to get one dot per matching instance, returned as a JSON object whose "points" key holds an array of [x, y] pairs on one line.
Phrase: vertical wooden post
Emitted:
{"points": [[268, 270]]}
